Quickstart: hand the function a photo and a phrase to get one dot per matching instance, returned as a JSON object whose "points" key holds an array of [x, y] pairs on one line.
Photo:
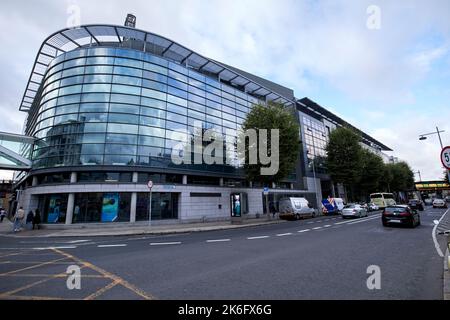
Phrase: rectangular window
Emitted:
{"points": [[152, 112], [120, 128]]}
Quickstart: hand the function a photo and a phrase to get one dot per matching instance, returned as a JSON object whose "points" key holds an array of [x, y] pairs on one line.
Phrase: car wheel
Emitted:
{"points": [[412, 223], [385, 224]]}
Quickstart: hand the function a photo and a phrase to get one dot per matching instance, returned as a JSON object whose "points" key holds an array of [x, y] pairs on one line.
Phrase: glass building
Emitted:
{"points": [[106, 107]]}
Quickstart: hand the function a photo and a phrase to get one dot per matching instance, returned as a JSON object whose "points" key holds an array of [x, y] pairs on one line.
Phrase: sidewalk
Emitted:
{"points": [[98, 230]]}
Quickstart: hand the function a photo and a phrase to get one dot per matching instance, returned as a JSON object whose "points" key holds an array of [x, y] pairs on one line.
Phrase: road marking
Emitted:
{"points": [[317, 228], [109, 275], [310, 222], [433, 234], [258, 237], [111, 245], [103, 290], [218, 240], [327, 226], [51, 248], [358, 221], [34, 266], [284, 234], [78, 241], [319, 221], [305, 230], [164, 243]]}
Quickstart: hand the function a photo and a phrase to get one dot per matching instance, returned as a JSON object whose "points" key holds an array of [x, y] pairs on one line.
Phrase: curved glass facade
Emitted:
{"points": [[116, 106]]}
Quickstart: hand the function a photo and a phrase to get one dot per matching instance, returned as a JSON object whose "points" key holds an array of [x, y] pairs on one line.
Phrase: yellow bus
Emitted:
{"points": [[382, 199]]}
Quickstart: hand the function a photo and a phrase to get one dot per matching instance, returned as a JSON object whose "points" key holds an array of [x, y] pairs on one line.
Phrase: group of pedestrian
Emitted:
{"points": [[32, 221]]}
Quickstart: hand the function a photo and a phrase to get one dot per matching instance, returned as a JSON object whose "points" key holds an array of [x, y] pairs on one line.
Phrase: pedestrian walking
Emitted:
{"points": [[29, 220], [2, 214], [18, 217], [36, 219]]}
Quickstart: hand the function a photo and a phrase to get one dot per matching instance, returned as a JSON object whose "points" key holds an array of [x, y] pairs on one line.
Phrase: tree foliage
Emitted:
{"points": [[272, 116]]}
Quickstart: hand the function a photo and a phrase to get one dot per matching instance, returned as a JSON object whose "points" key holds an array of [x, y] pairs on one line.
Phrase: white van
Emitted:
{"points": [[295, 208]]}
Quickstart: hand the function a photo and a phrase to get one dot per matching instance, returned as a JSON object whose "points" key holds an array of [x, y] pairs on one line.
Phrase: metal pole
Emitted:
{"points": [[314, 175], [150, 209], [442, 147]]}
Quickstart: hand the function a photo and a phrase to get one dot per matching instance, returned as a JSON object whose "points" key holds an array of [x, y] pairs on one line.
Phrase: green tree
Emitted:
{"points": [[372, 171], [402, 177], [386, 178], [344, 160], [271, 116]]}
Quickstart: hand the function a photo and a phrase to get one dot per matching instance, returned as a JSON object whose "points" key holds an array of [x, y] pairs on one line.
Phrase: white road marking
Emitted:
{"points": [[327, 226], [259, 237], [319, 221], [317, 228], [164, 243], [310, 222], [305, 230], [433, 234], [218, 240], [111, 245], [358, 221], [78, 241], [284, 234], [51, 248]]}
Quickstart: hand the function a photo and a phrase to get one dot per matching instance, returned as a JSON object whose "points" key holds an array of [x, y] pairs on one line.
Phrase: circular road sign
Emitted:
{"points": [[150, 184], [445, 157]]}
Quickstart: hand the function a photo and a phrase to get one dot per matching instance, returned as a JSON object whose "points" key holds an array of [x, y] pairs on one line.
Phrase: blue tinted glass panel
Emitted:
{"points": [[123, 117]]}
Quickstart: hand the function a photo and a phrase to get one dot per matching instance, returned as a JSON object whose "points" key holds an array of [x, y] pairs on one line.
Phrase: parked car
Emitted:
{"points": [[400, 215], [439, 203], [416, 204], [373, 207], [354, 211], [428, 201], [447, 198], [295, 208]]}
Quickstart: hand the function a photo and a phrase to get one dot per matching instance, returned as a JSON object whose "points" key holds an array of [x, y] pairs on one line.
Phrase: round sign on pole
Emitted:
{"points": [[445, 157], [150, 184]]}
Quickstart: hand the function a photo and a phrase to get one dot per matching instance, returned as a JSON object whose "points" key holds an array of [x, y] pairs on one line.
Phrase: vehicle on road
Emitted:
{"points": [[428, 201], [354, 211], [373, 207], [295, 208], [382, 199], [439, 203], [332, 206], [416, 204], [400, 215], [447, 198]]}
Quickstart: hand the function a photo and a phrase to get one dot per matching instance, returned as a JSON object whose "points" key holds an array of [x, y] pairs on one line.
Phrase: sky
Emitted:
{"points": [[384, 66]]}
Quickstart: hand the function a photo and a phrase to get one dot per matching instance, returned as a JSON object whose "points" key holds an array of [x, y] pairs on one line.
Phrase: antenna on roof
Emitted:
{"points": [[130, 21]]}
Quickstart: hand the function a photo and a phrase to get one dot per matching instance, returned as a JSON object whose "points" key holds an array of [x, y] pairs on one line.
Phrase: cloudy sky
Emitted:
{"points": [[392, 82]]}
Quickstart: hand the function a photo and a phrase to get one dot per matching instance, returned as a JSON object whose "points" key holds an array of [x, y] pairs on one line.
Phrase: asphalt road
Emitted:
{"points": [[321, 258]]}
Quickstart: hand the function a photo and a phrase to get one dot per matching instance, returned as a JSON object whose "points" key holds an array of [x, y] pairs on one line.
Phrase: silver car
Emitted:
{"points": [[354, 211]]}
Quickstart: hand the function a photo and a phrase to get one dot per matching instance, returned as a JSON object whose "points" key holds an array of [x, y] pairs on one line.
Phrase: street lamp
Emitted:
{"points": [[423, 137]]}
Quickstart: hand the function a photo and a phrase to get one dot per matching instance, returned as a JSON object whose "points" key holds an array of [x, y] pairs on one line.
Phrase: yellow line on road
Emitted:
{"points": [[102, 290], [34, 266], [115, 278]]}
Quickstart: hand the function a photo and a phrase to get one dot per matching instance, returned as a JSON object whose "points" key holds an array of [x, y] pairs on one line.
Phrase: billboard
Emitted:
{"points": [[110, 207]]}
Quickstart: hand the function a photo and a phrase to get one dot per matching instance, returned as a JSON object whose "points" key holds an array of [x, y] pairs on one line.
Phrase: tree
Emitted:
{"points": [[271, 116], [402, 176], [344, 160], [372, 171]]}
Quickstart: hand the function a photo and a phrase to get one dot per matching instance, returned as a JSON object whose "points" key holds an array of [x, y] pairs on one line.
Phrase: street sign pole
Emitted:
{"points": [[445, 158], [266, 194], [150, 186]]}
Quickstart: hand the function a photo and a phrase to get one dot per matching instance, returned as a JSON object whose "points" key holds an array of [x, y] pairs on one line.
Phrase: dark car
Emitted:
{"points": [[400, 215], [416, 204]]}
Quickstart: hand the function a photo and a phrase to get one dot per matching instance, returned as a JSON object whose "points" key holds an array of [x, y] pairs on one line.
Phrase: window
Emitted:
{"points": [[120, 128], [119, 88], [121, 138], [151, 131], [152, 112], [127, 80], [125, 108], [124, 118]]}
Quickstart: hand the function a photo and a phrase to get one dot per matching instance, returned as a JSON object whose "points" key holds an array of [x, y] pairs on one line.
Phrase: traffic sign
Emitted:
{"points": [[266, 191], [445, 157], [150, 184]]}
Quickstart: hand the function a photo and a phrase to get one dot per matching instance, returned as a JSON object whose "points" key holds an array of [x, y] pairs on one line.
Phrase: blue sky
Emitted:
{"points": [[392, 82]]}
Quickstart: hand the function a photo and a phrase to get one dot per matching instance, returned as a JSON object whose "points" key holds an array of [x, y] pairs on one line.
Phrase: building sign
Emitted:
{"points": [[432, 185], [110, 207]]}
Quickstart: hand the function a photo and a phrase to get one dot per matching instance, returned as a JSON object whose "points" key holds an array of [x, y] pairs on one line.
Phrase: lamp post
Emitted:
{"points": [[420, 177], [314, 174], [424, 137]]}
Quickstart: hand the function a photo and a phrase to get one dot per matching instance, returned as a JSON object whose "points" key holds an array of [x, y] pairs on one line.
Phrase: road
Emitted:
{"points": [[320, 258]]}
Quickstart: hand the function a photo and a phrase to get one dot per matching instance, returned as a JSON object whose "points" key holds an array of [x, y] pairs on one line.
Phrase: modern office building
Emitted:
{"points": [[106, 106]]}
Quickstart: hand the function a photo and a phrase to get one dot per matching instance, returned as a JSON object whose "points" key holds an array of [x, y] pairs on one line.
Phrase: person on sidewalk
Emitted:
{"points": [[2, 214], [36, 219], [29, 221], [18, 217]]}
